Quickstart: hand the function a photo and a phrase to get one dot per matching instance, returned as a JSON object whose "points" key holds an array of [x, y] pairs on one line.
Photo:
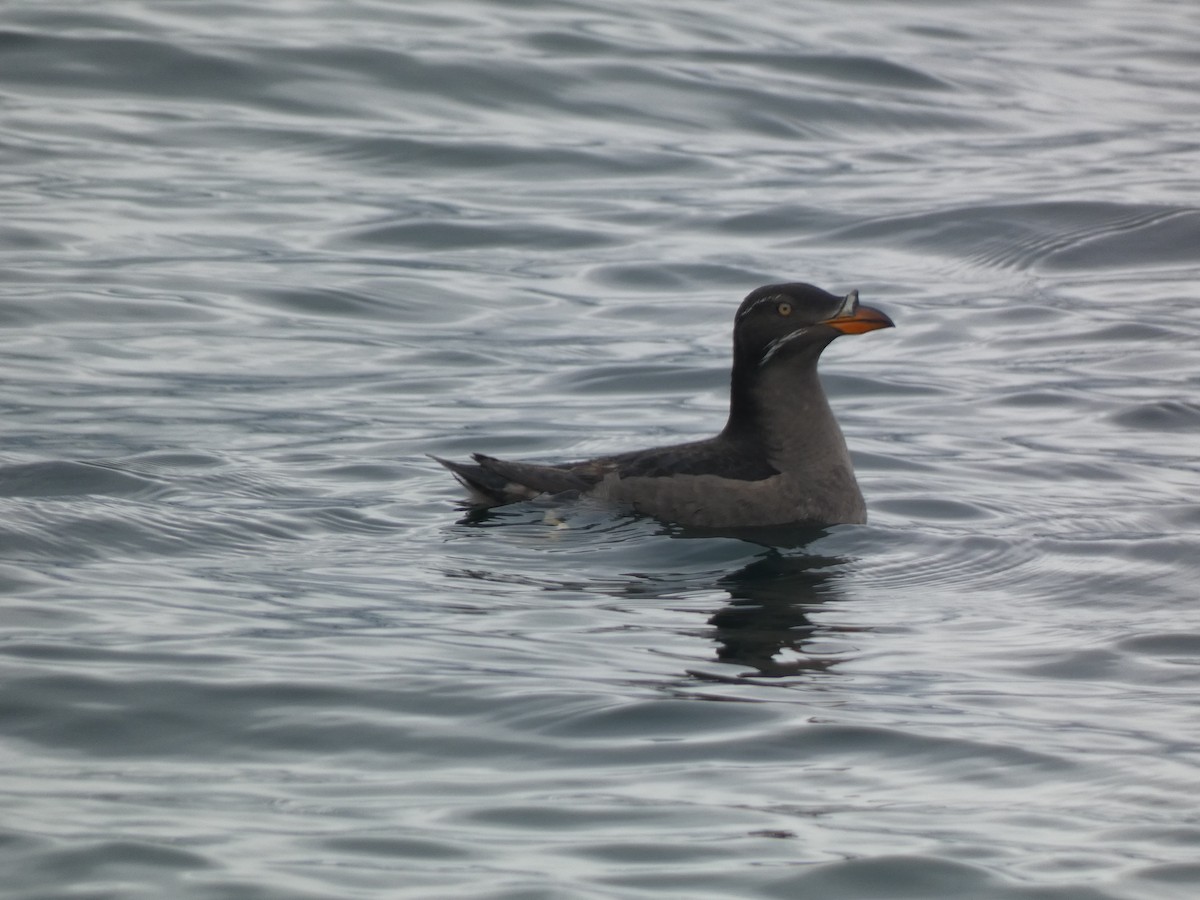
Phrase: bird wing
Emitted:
{"points": [[724, 459]]}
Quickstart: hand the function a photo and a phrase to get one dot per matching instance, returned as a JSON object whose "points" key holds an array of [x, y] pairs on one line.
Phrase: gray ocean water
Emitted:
{"points": [[258, 259]]}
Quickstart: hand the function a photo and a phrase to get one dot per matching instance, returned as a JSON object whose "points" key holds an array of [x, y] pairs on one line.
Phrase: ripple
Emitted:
{"points": [[934, 510], [1183, 648], [389, 848], [68, 478], [103, 862], [1061, 236], [127, 64], [445, 235], [1161, 415], [941, 560], [856, 69], [894, 877]]}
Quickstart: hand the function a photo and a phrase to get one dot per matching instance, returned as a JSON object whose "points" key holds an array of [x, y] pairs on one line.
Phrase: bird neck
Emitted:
{"points": [[784, 409], [743, 407]]}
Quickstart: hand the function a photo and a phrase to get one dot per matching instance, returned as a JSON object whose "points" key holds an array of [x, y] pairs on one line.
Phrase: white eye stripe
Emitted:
{"points": [[773, 300]]}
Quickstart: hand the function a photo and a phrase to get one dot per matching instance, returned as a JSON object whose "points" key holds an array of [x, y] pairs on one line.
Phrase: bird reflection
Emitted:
{"points": [[765, 626]]}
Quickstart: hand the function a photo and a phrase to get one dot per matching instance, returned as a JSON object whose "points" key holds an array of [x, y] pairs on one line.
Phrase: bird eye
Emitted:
{"points": [[784, 309]]}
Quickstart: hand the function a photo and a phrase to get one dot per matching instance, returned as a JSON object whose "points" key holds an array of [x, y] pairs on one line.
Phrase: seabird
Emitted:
{"points": [[781, 458]]}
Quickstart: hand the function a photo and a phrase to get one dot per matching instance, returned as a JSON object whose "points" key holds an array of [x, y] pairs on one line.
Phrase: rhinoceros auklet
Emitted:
{"points": [[780, 460]]}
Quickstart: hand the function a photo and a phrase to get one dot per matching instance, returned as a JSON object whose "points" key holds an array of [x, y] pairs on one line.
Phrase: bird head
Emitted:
{"points": [[779, 322]]}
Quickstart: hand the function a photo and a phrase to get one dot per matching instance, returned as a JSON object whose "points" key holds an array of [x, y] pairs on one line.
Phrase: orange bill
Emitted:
{"points": [[863, 319]]}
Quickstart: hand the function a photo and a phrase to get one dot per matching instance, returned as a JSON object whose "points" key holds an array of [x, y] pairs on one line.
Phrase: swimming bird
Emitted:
{"points": [[781, 458]]}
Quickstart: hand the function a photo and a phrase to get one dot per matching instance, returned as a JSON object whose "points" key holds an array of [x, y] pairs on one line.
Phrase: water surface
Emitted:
{"points": [[256, 260]]}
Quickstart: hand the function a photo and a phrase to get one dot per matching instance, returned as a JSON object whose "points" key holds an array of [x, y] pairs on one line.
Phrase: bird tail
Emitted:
{"points": [[492, 482], [485, 486]]}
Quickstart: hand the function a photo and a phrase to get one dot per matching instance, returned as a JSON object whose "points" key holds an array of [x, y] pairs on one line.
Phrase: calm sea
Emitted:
{"points": [[257, 259]]}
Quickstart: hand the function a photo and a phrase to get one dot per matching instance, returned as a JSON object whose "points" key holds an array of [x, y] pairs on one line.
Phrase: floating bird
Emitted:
{"points": [[781, 458]]}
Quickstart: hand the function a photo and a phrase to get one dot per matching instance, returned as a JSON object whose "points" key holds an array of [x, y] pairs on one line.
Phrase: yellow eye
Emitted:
{"points": [[784, 309]]}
